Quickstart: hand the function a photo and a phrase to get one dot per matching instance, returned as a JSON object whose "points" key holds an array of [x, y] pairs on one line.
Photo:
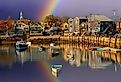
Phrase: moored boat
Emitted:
{"points": [[41, 48], [55, 54], [55, 69], [21, 45], [98, 49]]}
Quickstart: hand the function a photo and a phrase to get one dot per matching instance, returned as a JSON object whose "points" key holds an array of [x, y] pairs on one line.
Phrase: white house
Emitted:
{"points": [[77, 23], [71, 24], [36, 29], [22, 26], [80, 23]]}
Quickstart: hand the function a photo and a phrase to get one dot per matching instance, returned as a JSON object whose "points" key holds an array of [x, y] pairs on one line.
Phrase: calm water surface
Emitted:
{"points": [[79, 65]]}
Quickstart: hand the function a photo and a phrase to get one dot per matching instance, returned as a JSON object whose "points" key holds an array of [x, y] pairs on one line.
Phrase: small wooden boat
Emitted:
{"points": [[55, 54], [55, 69]]}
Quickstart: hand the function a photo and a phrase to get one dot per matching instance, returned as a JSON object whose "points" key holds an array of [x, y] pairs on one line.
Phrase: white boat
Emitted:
{"points": [[21, 45], [52, 44]]}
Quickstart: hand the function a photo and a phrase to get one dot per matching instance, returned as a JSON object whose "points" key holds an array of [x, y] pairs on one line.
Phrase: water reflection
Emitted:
{"points": [[79, 64], [6, 60], [96, 60], [32, 54], [74, 55]]}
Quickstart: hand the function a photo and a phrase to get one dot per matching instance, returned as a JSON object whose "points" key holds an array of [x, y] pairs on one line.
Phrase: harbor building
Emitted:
{"points": [[78, 24], [118, 25], [100, 24], [71, 24], [22, 23], [36, 29]]}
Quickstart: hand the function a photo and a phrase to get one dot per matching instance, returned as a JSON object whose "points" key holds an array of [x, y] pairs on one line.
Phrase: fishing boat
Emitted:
{"points": [[93, 48], [55, 54], [55, 69], [52, 44], [21, 45], [98, 49], [41, 48]]}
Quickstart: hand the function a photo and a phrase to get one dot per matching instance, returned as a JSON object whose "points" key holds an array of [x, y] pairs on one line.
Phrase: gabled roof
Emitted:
{"points": [[82, 17], [100, 18]]}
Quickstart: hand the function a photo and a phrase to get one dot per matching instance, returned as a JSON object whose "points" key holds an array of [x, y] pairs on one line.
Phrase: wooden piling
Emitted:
{"points": [[109, 41], [115, 42], [119, 42]]}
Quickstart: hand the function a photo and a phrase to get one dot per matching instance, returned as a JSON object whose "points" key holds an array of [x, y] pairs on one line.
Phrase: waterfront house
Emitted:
{"points": [[118, 25], [71, 24], [100, 23], [78, 23], [22, 25], [64, 26], [36, 29]]}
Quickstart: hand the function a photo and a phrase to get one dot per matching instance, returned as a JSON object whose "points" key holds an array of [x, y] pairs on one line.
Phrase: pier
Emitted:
{"points": [[113, 42]]}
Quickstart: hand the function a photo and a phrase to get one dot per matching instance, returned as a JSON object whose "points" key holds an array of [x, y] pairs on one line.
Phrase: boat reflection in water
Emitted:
{"points": [[76, 60], [6, 60], [21, 45], [74, 55], [78, 57]]}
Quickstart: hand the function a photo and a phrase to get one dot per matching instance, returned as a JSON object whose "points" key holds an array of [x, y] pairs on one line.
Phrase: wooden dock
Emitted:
{"points": [[91, 40]]}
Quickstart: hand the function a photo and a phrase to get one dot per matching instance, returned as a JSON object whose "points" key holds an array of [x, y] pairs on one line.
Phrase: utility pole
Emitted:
{"points": [[114, 15], [114, 19]]}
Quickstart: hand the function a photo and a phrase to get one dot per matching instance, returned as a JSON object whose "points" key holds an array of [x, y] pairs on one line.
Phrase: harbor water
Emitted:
{"points": [[79, 64]]}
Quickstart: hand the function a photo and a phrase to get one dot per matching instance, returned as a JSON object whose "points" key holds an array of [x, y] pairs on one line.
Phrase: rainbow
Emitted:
{"points": [[48, 8], [47, 72]]}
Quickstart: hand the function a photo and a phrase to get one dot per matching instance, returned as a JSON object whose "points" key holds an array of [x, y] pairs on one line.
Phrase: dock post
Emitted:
{"points": [[59, 40], [88, 40], [109, 41], [115, 42], [78, 40], [120, 43], [84, 40], [103, 41], [98, 40]]}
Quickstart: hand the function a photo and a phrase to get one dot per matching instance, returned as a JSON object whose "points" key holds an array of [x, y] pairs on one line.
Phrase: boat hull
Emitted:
{"points": [[21, 47], [41, 49]]}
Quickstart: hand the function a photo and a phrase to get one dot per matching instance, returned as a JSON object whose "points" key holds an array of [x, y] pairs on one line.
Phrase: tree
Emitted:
{"points": [[64, 19], [6, 25], [51, 19]]}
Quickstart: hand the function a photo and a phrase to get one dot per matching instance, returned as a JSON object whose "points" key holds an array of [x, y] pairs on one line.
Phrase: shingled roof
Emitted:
{"points": [[100, 18]]}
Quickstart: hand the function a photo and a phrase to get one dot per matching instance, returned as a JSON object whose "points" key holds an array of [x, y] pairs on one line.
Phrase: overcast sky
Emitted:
{"points": [[63, 8]]}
